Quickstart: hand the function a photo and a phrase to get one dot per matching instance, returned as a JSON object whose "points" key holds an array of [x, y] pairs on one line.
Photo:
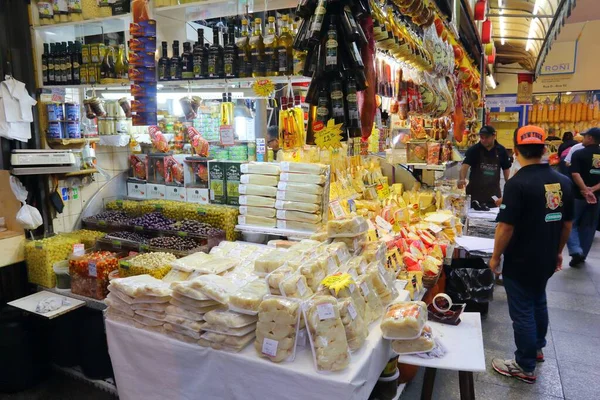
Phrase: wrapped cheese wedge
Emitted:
{"points": [[157, 307], [147, 320], [181, 337], [300, 187], [341, 286], [234, 342], [182, 331], [277, 328], [295, 286], [159, 316], [115, 303], [261, 168], [326, 334], [305, 245], [182, 312], [422, 344], [347, 227], [275, 278], [196, 309], [182, 322], [229, 319], [373, 305], [271, 261], [216, 287], [375, 251], [404, 320], [257, 190], [254, 179], [186, 289], [354, 244], [313, 271], [303, 178], [140, 299]]}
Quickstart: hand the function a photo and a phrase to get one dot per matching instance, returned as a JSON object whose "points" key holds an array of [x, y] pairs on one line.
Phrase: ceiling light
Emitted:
{"points": [[568, 93], [537, 6], [532, 27]]}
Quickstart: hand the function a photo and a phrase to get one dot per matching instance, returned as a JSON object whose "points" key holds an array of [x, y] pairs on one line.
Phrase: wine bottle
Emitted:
{"points": [[284, 48], [187, 62], [323, 105], [331, 44], [164, 70], [257, 49], [107, 69], [51, 69], [337, 101], [271, 43], [120, 64], [352, 116], [215, 57], [317, 21], [76, 63], [200, 57], [306, 8], [45, 57], [230, 54], [175, 63]]}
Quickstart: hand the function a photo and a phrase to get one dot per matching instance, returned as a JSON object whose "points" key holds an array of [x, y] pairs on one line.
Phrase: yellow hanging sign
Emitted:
{"points": [[328, 136], [263, 87]]}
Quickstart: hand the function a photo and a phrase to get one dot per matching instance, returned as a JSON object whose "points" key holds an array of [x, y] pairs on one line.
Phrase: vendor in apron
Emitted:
{"points": [[485, 159]]}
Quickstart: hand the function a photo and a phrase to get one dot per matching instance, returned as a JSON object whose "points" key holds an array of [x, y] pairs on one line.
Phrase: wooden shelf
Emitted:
{"points": [[70, 143]]}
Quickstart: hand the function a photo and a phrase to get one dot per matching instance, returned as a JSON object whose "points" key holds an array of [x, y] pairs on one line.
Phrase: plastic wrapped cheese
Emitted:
{"points": [[182, 331], [257, 190], [116, 303], [141, 285], [303, 178], [214, 286], [300, 187], [229, 319], [298, 216], [342, 285], [298, 197], [258, 211], [273, 260], [347, 227], [244, 330], [375, 251], [116, 315], [261, 168], [297, 206], [193, 262], [422, 344], [192, 301], [275, 278], [374, 307], [159, 316], [404, 320], [326, 333], [186, 289], [254, 179], [303, 168], [298, 226], [140, 299], [257, 221], [340, 251], [354, 324], [193, 308], [176, 275], [229, 340], [277, 328], [184, 322], [247, 299], [354, 244], [383, 282], [304, 245], [295, 286], [355, 266], [313, 271], [182, 312], [256, 201], [147, 320]]}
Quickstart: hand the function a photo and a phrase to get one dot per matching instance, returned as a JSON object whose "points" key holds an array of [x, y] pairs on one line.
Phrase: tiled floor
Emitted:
{"points": [[572, 367], [571, 370]]}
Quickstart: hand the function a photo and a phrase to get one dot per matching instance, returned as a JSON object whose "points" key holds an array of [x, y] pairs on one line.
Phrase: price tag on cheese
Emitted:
{"points": [[435, 228], [78, 249], [383, 224], [365, 289], [325, 311], [352, 286], [301, 287], [352, 311], [269, 347], [337, 210]]}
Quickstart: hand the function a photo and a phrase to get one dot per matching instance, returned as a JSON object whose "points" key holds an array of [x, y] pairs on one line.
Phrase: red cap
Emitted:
{"points": [[530, 134]]}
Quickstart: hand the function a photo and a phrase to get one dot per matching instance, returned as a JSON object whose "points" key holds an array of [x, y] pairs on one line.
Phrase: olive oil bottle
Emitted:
{"points": [[257, 49], [271, 42]]}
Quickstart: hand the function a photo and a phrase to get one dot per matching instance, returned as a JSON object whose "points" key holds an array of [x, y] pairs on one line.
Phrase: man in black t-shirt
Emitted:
{"points": [[585, 171], [534, 223], [486, 159]]}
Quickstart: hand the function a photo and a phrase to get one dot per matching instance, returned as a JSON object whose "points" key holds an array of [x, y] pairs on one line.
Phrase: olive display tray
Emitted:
{"points": [[116, 244]]}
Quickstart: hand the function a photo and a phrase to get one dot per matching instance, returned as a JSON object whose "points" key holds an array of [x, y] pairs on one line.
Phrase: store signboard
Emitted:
{"points": [[501, 101], [525, 88], [561, 60]]}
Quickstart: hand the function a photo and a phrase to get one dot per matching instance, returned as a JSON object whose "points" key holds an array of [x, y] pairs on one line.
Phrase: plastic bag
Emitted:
{"points": [[182, 312], [326, 333], [374, 307], [28, 216], [277, 328], [137, 300], [257, 190], [208, 327], [422, 344], [194, 308], [183, 322], [300, 188], [270, 262], [257, 211], [302, 178], [298, 197], [265, 180], [141, 285], [354, 324], [314, 272], [295, 286], [229, 319], [299, 216], [277, 276], [182, 331], [214, 286], [469, 280], [247, 299]]}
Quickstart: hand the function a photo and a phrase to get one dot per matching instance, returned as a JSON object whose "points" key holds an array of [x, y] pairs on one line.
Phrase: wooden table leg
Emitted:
{"points": [[467, 388], [428, 383]]}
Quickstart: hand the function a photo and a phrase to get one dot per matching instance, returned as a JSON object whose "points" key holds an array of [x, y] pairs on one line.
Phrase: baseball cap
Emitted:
{"points": [[487, 130], [530, 134], [593, 132]]}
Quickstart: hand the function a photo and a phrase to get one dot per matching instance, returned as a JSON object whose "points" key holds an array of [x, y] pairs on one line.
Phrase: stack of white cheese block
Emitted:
{"points": [[258, 188]]}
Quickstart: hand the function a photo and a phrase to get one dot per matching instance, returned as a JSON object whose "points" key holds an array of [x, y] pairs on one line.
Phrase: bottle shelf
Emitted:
{"points": [[221, 82], [101, 21], [208, 9], [73, 29]]}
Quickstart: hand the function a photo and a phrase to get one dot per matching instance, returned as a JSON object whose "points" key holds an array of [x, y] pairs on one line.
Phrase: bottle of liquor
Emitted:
{"points": [[69, 62], [58, 65], [323, 105], [215, 57], [187, 62], [107, 69], [337, 100], [284, 48], [244, 57], [230, 55], [51, 78], [257, 49], [76, 63], [271, 45], [200, 57], [331, 45], [164, 69], [352, 117], [317, 22], [45, 71], [66, 64], [175, 62], [119, 64]]}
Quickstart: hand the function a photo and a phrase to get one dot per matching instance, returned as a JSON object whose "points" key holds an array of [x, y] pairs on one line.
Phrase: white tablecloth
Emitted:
{"points": [[151, 366]]}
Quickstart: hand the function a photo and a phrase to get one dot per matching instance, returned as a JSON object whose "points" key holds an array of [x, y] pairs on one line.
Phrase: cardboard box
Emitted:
{"points": [[198, 195], [156, 191], [176, 193], [232, 181], [216, 176], [137, 189]]}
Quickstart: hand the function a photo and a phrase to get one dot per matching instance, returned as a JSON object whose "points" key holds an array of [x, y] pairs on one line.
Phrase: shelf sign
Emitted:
{"points": [[263, 87], [227, 136], [328, 136]]}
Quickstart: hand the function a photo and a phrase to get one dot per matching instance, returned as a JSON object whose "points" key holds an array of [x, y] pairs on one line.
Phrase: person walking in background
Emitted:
{"points": [[585, 171], [573, 149], [563, 150], [485, 159], [534, 223]]}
